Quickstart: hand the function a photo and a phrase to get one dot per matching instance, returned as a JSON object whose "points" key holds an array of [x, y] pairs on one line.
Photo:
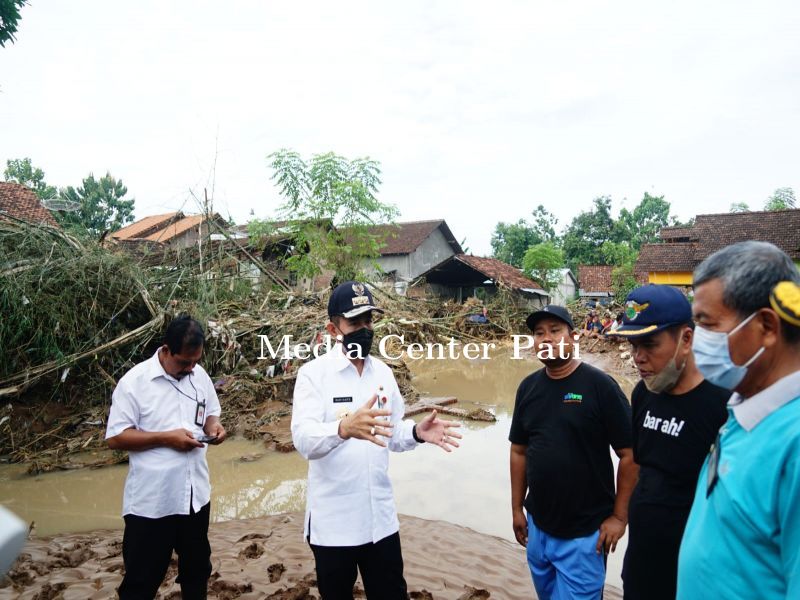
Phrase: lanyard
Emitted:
{"points": [[182, 393], [200, 412]]}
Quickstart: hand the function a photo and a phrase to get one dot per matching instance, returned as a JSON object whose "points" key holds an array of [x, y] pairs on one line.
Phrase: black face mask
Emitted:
{"points": [[359, 341]]}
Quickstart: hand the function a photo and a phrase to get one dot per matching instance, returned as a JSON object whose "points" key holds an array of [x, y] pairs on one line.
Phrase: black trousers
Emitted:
{"points": [[650, 566], [147, 546], [381, 566]]}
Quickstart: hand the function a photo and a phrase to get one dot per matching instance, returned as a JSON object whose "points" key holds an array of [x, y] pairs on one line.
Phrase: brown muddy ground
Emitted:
{"points": [[267, 558]]}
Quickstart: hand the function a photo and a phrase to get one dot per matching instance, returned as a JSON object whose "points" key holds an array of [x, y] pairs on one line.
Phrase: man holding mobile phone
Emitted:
{"points": [[163, 412]]}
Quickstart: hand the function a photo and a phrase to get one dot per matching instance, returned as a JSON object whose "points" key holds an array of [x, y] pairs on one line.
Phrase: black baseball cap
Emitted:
{"points": [[651, 308], [551, 310], [350, 299]]}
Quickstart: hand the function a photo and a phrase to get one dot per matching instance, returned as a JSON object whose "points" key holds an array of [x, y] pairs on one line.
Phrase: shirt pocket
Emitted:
{"points": [[338, 405]]}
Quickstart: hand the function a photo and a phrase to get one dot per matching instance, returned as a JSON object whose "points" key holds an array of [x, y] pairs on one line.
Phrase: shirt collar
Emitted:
{"points": [[749, 412], [156, 370]]}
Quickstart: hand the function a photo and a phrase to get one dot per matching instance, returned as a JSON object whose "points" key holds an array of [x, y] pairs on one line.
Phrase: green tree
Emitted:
{"points": [[737, 207], [586, 234], [510, 241], [618, 253], [102, 205], [544, 225], [643, 224], [329, 190], [622, 255], [542, 263], [9, 19], [623, 281], [781, 199], [21, 170]]}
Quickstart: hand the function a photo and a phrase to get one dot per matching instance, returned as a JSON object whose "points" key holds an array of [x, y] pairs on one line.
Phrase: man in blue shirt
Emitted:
{"points": [[743, 534]]}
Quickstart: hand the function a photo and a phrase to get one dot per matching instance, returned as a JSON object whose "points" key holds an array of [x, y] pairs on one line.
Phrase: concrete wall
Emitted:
{"points": [[565, 291], [676, 278], [389, 264], [430, 253]]}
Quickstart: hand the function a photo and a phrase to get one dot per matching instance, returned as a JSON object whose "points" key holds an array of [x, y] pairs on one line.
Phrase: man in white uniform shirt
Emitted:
{"points": [[163, 412], [347, 415]]}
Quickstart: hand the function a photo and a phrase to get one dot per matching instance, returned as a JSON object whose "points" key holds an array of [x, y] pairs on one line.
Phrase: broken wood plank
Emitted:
{"points": [[427, 403], [442, 406]]}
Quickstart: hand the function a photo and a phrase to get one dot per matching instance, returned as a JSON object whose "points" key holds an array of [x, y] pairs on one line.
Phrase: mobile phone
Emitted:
{"points": [[206, 439]]}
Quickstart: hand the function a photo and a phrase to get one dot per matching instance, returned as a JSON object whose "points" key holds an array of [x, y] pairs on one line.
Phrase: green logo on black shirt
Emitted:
{"points": [[573, 398]]}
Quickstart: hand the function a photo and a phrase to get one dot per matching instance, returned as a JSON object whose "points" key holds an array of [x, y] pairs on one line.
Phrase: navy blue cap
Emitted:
{"points": [[351, 299], [551, 310], [651, 308]]}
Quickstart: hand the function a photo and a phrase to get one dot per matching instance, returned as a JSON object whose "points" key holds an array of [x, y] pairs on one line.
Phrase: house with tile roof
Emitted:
{"points": [[412, 248], [683, 248], [595, 284], [464, 275], [174, 229], [20, 202]]}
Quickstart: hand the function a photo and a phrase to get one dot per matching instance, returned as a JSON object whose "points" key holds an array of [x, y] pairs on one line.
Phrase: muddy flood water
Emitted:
{"points": [[469, 487]]}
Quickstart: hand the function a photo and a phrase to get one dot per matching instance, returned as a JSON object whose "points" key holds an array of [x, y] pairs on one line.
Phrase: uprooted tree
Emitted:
{"points": [[330, 206]]}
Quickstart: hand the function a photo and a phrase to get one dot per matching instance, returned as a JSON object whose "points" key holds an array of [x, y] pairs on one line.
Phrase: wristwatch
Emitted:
{"points": [[418, 439]]}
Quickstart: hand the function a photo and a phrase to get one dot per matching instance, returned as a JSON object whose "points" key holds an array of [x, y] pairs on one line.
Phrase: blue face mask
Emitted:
{"points": [[713, 356]]}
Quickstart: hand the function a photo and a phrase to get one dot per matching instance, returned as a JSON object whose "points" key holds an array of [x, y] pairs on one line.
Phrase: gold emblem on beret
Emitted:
{"points": [[633, 308], [785, 300]]}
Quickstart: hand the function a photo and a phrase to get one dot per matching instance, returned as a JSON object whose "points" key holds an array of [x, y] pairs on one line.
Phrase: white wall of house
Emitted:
{"points": [[430, 253], [396, 262], [565, 292]]}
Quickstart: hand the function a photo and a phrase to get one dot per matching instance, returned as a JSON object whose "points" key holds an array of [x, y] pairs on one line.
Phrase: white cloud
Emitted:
{"points": [[478, 112]]}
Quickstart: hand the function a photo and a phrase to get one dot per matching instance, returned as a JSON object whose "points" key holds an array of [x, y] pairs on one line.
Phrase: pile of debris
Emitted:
{"points": [[77, 316]]}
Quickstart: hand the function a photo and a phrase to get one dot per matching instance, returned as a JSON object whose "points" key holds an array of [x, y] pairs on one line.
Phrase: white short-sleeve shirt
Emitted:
{"points": [[349, 498], [163, 481]]}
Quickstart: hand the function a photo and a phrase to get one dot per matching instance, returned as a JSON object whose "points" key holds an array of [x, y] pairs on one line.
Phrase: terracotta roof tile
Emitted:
{"points": [[780, 227], [713, 232], [678, 233], [146, 226], [595, 278], [22, 203], [404, 238], [176, 228], [675, 257], [499, 271]]}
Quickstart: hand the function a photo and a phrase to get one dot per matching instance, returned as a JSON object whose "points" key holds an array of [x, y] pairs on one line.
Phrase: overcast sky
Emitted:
{"points": [[477, 111]]}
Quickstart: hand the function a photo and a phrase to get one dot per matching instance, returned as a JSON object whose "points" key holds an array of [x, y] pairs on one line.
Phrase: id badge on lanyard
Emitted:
{"points": [[200, 414]]}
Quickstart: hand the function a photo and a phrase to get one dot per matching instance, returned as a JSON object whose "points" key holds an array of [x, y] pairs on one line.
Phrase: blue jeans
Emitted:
{"points": [[565, 569]]}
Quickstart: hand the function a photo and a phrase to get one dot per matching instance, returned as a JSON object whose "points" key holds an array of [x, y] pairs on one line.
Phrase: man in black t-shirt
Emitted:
{"points": [[566, 417], [676, 416]]}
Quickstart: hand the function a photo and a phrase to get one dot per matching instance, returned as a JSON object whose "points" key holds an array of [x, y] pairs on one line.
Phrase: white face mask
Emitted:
{"points": [[668, 377], [713, 356]]}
